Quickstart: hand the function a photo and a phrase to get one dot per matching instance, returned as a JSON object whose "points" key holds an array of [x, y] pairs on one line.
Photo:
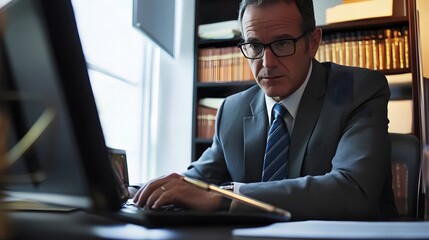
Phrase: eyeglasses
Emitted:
{"points": [[280, 48]]}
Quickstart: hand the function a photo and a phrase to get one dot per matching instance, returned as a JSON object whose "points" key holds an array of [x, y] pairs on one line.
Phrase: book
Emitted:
{"points": [[219, 30], [211, 102], [400, 186]]}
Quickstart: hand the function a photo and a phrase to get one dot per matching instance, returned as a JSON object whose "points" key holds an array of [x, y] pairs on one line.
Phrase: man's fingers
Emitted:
{"points": [[150, 190]]}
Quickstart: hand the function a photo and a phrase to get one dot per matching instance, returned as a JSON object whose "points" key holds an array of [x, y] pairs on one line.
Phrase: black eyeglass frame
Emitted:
{"points": [[265, 45]]}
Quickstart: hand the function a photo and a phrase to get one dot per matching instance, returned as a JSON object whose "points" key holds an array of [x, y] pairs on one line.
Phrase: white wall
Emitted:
{"points": [[319, 9], [175, 99], [114, 51]]}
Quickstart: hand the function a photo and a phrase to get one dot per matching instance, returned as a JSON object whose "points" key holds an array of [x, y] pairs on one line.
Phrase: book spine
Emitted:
{"points": [[368, 50], [388, 45], [406, 47], [355, 50], [361, 49], [376, 64], [348, 49], [400, 186]]}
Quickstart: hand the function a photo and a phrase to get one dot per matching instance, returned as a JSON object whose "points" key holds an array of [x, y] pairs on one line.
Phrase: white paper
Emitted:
{"points": [[338, 230]]}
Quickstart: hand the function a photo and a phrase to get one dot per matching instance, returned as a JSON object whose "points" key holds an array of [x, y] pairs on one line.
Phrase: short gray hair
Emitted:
{"points": [[305, 7]]}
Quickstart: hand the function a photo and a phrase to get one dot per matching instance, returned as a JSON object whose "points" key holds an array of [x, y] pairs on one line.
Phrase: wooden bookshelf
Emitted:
{"points": [[212, 11]]}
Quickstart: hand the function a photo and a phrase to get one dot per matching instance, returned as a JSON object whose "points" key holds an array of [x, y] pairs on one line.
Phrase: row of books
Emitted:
{"points": [[206, 116], [382, 49], [225, 64]]}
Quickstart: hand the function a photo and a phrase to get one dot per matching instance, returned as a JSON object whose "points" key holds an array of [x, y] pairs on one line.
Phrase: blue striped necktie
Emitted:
{"points": [[277, 149]]}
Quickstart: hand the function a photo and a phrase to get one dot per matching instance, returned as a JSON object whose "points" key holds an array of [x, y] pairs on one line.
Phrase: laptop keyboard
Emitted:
{"points": [[130, 205], [170, 215]]}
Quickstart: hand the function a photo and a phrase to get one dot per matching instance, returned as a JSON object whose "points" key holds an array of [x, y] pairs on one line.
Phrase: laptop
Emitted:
{"points": [[57, 153]]}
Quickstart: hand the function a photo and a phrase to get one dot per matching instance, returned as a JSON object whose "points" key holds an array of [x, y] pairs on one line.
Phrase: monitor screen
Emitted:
{"points": [[56, 152]]}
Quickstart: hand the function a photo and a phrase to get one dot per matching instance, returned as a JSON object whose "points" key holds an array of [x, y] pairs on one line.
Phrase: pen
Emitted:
{"points": [[240, 198]]}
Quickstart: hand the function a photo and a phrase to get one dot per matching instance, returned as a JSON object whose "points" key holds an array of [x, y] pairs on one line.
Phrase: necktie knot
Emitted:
{"points": [[279, 111]]}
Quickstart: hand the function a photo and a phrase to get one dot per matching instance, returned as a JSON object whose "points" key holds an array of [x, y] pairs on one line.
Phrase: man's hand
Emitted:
{"points": [[172, 189]]}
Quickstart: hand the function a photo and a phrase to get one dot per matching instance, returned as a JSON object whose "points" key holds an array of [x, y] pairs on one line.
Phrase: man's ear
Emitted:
{"points": [[315, 39]]}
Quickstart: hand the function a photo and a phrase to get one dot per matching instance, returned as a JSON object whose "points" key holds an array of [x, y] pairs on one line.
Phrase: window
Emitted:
{"points": [[114, 53], [143, 95]]}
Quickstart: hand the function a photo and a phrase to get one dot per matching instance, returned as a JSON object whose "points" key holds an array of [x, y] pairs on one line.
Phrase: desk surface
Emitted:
{"points": [[82, 225]]}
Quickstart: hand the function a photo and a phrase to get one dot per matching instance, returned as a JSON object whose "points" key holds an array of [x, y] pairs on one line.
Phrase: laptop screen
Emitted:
{"points": [[56, 152]]}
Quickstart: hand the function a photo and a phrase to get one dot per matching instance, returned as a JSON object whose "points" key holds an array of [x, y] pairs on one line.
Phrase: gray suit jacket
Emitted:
{"points": [[339, 162]]}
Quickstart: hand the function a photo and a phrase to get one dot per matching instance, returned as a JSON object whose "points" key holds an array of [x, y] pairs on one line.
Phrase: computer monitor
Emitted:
{"points": [[50, 106]]}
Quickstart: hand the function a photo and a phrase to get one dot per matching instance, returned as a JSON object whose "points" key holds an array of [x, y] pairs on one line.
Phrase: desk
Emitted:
{"points": [[81, 225]]}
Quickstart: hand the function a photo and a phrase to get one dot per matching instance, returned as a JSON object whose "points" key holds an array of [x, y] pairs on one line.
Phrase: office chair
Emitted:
{"points": [[406, 157]]}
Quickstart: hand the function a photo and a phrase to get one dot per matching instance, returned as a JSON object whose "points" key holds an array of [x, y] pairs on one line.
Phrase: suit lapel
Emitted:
{"points": [[255, 134], [308, 112]]}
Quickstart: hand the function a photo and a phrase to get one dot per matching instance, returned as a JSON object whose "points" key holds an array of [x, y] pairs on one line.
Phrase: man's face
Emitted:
{"points": [[279, 77]]}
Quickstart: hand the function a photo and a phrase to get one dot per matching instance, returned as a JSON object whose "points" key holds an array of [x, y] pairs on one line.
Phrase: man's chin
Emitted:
{"points": [[276, 97], [271, 91]]}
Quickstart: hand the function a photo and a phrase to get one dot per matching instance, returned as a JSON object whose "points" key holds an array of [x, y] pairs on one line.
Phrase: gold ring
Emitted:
{"points": [[163, 189]]}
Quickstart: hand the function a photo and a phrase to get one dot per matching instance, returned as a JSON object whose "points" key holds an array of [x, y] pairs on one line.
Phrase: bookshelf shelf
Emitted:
{"points": [[218, 42], [396, 71], [222, 89], [226, 84], [365, 24]]}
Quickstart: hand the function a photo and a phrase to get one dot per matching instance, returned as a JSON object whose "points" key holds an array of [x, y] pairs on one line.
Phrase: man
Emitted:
{"points": [[337, 145]]}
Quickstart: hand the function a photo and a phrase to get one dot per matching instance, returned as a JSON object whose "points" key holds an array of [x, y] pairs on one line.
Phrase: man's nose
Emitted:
{"points": [[269, 59]]}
